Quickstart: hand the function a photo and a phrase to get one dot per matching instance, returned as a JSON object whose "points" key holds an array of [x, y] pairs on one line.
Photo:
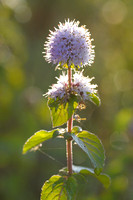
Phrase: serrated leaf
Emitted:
{"points": [[71, 187], [62, 111], [95, 99], [103, 178], [93, 147], [38, 138], [59, 188]]}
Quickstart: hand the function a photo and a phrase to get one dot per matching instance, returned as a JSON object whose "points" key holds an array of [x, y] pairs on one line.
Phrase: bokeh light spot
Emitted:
{"points": [[120, 183], [11, 3], [119, 141], [124, 80], [114, 12], [23, 13], [15, 76]]}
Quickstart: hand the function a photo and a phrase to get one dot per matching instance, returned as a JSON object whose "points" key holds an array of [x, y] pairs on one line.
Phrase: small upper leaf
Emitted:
{"points": [[62, 111], [59, 188], [95, 99], [93, 147], [38, 138], [103, 178], [76, 129]]}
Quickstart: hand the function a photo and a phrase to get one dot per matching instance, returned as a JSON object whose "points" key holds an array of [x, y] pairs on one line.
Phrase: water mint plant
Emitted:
{"points": [[70, 48]]}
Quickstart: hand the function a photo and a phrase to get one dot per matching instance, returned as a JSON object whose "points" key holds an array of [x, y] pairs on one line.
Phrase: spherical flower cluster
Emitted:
{"points": [[81, 86], [69, 44]]}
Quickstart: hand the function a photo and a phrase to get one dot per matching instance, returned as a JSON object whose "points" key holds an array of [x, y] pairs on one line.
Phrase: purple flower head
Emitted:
{"points": [[69, 45]]}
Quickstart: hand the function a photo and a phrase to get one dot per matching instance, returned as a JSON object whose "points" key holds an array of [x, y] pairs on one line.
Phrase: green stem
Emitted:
{"points": [[69, 129]]}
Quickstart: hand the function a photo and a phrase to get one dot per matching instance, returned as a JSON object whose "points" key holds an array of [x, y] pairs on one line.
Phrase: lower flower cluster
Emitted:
{"points": [[81, 86]]}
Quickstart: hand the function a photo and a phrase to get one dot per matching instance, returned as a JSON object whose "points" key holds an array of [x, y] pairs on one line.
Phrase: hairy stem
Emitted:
{"points": [[69, 129]]}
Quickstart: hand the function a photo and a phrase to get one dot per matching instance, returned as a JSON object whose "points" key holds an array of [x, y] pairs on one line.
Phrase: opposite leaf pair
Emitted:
{"points": [[87, 141], [65, 188], [62, 185]]}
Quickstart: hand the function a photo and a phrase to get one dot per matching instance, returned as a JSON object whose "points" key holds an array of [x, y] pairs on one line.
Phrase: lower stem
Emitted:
{"points": [[69, 129]]}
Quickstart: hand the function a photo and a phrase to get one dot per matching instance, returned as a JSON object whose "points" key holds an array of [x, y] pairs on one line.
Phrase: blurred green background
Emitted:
{"points": [[25, 76]]}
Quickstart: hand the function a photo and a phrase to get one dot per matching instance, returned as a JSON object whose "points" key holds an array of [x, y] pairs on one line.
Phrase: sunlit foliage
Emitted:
{"points": [[22, 107]]}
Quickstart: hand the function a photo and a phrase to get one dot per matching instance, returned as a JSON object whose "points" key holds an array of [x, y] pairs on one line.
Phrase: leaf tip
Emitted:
{"points": [[98, 171], [23, 150], [108, 183]]}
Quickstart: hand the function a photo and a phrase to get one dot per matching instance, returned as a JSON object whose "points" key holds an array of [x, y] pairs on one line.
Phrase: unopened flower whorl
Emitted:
{"points": [[58, 90], [81, 86], [69, 44]]}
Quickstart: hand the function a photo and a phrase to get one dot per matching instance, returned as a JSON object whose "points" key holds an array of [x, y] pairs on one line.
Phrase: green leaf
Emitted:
{"points": [[103, 178], [71, 187], [59, 188], [95, 99], [62, 111], [93, 147], [38, 138], [54, 188], [76, 129]]}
